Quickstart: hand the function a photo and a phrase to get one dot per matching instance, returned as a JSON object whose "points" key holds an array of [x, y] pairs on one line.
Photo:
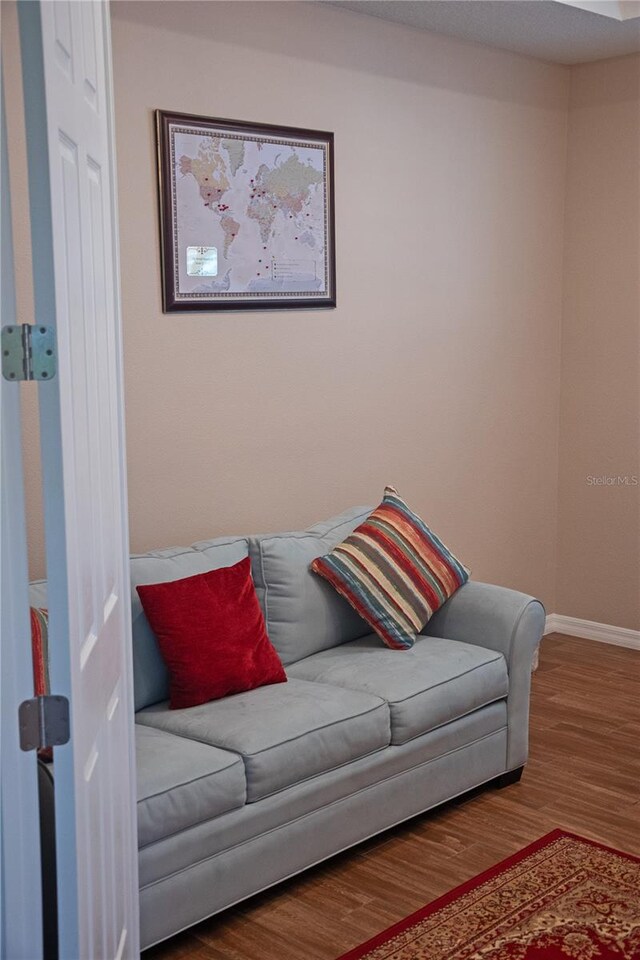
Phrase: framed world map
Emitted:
{"points": [[246, 215]]}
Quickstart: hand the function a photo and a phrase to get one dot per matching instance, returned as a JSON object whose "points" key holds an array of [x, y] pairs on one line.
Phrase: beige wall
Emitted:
{"points": [[439, 370], [599, 529]]}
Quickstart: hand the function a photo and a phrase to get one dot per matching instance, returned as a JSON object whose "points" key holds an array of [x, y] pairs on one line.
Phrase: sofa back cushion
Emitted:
{"points": [[38, 593], [303, 613], [150, 675]]}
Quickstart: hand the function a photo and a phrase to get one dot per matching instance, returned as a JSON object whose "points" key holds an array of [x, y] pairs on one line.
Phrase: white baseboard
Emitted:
{"points": [[552, 623], [590, 630]]}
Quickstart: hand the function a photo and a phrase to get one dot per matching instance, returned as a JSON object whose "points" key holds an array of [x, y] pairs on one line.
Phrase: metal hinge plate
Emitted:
{"points": [[28, 352], [43, 722]]}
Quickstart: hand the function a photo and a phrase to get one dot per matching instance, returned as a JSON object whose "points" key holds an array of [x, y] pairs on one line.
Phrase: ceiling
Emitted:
{"points": [[560, 32]]}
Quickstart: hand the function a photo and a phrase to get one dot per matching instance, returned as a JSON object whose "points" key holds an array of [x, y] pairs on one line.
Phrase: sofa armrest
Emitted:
{"points": [[493, 617], [503, 620]]}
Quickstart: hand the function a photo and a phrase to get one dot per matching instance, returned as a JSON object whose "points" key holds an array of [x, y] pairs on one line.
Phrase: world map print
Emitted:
{"points": [[250, 216]]}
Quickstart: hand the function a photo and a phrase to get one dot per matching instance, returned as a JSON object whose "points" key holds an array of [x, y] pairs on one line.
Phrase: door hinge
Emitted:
{"points": [[28, 352], [43, 722]]}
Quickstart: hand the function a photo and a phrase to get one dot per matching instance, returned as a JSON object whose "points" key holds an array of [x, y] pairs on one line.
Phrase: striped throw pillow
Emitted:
{"points": [[394, 571]]}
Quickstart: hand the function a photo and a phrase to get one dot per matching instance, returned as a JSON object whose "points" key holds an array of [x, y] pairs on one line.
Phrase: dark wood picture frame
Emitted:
{"points": [[259, 295]]}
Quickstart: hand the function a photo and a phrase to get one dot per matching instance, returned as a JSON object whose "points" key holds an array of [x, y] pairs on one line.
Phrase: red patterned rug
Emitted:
{"points": [[561, 898]]}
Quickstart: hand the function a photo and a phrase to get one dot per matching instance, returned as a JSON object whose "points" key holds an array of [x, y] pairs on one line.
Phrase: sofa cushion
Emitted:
{"points": [[285, 733], [212, 635], [432, 683], [303, 613], [394, 571], [181, 783], [150, 675]]}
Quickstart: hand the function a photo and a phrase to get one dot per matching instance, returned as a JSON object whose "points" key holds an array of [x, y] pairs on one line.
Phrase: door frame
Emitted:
{"points": [[20, 870]]}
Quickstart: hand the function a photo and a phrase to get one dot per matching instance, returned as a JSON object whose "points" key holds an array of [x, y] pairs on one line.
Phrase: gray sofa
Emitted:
{"points": [[240, 793]]}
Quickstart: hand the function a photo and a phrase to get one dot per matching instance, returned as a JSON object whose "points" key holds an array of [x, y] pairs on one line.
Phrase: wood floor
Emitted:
{"points": [[583, 775]]}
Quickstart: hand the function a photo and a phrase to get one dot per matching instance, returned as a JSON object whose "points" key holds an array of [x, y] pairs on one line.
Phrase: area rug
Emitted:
{"points": [[561, 898]]}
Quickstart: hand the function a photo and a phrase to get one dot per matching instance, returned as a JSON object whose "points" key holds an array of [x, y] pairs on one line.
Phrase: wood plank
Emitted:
{"points": [[583, 776]]}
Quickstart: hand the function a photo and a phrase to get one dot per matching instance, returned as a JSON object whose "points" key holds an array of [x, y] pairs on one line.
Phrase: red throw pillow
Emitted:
{"points": [[212, 635], [40, 657]]}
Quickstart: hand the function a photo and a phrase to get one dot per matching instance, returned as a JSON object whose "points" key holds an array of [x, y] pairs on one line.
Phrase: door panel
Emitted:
{"points": [[67, 44]]}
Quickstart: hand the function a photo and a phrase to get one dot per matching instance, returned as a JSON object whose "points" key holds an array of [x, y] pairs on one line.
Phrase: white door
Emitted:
{"points": [[66, 58], [20, 896]]}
